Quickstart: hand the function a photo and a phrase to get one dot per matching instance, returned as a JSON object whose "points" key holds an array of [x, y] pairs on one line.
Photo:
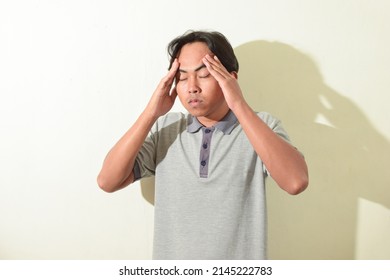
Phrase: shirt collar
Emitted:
{"points": [[226, 125]]}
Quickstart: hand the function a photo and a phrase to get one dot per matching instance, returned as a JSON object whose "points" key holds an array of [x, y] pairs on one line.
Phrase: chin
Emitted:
{"points": [[193, 111], [196, 113]]}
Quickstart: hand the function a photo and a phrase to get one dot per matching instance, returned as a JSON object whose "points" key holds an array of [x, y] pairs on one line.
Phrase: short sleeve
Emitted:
{"points": [[276, 125], [145, 162], [162, 134]]}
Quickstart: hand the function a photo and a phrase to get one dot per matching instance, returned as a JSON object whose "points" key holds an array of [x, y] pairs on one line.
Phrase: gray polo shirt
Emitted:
{"points": [[209, 188]]}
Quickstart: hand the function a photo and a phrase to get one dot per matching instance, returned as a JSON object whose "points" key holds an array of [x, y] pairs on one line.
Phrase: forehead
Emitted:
{"points": [[191, 54]]}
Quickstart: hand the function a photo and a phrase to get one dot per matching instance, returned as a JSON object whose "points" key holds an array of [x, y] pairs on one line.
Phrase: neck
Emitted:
{"points": [[209, 122]]}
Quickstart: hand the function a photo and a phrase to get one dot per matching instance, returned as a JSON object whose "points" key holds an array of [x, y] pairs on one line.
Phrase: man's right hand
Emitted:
{"points": [[164, 96], [117, 169]]}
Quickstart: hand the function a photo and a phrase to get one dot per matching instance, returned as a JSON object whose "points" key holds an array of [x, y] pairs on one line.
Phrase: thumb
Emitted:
{"points": [[173, 94]]}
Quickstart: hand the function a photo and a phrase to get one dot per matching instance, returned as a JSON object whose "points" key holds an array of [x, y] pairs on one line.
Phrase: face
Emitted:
{"points": [[197, 89]]}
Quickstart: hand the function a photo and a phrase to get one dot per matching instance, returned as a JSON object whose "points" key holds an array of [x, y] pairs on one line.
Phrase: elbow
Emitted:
{"points": [[299, 180], [298, 185], [104, 184], [110, 184]]}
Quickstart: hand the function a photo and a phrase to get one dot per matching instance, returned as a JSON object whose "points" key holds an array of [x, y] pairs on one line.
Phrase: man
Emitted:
{"points": [[210, 164]]}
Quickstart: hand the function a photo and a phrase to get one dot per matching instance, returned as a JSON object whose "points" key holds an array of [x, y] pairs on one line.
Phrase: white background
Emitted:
{"points": [[74, 75]]}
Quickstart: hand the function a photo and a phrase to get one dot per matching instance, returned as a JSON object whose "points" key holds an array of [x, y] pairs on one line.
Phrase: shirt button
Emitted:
{"points": [[205, 146], [207, 130], [203, 162]]}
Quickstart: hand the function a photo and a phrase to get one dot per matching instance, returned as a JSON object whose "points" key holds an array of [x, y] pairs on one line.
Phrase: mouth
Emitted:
{"points": [[194, 101]]}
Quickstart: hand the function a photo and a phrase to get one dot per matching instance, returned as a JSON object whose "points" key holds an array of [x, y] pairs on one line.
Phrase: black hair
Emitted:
{"points": [[215, 41]]}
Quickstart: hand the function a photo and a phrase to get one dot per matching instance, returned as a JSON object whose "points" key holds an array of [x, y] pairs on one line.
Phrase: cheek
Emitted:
{"points": [[180, 89], [211, 86], [181, 94]]}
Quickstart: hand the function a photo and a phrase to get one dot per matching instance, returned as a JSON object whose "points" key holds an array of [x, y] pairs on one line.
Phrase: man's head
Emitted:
{"points": [[215, 41], [198, 91]]}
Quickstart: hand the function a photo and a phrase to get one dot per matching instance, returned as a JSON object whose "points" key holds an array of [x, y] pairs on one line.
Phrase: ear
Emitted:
{"points": [[235, 74]]}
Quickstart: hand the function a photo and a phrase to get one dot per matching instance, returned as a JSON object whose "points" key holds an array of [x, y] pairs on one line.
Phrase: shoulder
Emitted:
{"points": [[269, 119], [275, 124], [171, 121], [172, 117]]}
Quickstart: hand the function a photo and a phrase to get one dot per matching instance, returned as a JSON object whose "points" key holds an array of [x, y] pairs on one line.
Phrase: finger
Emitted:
{"points": [[173, 94], [174, 68], [208, 61], [220, 68], [214, 60], [216, 63], [172, 72], [214, 67], [167, 81]]}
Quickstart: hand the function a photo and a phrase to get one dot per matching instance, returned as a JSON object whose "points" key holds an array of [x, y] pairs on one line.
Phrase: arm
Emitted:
{"points": [[285, 164], [117, 169]]}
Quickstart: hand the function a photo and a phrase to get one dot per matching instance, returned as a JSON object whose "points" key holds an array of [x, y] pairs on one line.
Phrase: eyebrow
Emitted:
{"points": [[195, 70]]}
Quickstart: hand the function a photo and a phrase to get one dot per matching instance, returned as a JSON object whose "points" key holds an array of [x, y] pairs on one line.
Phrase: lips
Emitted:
{"points": [[194, 101]]}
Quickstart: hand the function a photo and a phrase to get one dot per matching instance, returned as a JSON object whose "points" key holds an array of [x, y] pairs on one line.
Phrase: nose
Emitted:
{"points": [[192, 85]]}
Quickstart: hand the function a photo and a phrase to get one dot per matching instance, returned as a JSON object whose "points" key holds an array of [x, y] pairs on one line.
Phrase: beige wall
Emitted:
{"points": [[75, 74]]}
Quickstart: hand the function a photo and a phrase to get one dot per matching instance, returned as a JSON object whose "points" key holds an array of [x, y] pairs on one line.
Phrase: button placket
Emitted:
{"points": [[205, 152]]}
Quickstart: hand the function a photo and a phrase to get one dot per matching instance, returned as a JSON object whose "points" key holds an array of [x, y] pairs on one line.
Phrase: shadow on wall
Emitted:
{"points": [[347, 157]]}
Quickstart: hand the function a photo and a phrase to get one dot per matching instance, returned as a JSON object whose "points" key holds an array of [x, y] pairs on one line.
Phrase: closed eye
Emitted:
{"points": [[204, 76], [181, 77]]}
